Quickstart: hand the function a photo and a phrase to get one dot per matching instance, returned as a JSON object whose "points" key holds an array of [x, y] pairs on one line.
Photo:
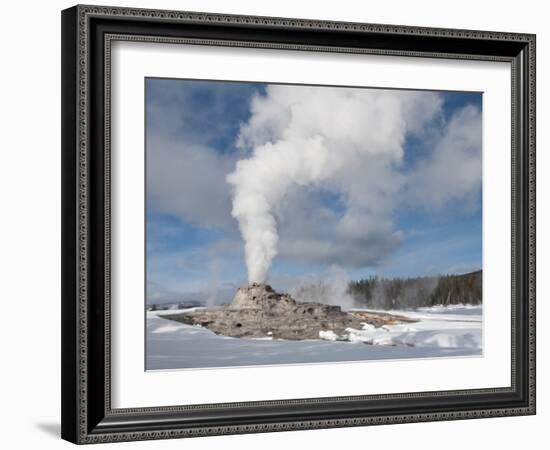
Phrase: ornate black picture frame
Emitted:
{"points": [[87, 34]]}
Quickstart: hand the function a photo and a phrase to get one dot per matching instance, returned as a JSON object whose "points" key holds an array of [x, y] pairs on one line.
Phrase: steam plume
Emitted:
{"points": [[300, 136]]}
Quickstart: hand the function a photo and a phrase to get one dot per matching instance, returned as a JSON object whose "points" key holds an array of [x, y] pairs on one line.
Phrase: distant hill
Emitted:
{"points": [[407, 293]]}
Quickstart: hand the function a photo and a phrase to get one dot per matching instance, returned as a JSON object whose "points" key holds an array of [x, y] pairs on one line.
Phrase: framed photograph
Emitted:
{"points": [[279, 224]]}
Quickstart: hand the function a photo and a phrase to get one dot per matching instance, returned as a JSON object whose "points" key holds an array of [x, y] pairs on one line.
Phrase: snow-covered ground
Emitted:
{"points": [[440, 332]]}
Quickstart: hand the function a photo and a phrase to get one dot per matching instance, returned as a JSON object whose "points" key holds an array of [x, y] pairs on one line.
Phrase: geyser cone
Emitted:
{"points": [[257, 310]]}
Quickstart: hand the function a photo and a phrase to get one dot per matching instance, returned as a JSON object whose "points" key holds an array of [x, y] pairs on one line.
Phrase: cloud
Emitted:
{"points": [[191, 129], [453, 171], [318, 173], [204, 112], [188, 180], [313, 233]]}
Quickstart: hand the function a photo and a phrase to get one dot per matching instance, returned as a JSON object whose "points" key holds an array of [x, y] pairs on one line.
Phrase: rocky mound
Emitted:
{"points": [[258, 311]]}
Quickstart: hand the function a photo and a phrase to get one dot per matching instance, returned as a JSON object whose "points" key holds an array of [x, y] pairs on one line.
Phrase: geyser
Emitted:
{"points": [[317, 136]]}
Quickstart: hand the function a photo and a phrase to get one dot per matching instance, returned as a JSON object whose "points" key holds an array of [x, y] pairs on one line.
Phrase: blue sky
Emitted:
{"points": [[426, 222]]}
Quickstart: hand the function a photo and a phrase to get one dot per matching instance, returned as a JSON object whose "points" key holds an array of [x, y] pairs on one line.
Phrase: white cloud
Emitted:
{"points": [[453, 170], [187, 123], [302, 143], [188, 180], [310, 232]]}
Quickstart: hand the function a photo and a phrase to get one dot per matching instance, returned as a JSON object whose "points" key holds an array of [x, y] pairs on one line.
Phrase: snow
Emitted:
{"points": [[175, 311], [328, 335], [457, 326], [454, 331]]}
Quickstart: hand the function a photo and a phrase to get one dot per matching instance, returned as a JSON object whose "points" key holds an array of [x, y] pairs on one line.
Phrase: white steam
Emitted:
{"points": [[329, 287], [323, 137]]}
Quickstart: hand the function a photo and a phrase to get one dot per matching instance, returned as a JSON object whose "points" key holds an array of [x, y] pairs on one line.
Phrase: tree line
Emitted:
{"points": [[412, 293]]}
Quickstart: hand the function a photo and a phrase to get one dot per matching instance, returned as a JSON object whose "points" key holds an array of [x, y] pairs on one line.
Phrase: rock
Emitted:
{"points": [[258, 310]]}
